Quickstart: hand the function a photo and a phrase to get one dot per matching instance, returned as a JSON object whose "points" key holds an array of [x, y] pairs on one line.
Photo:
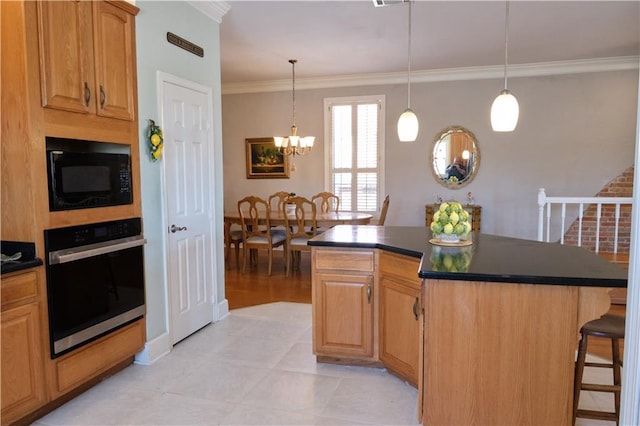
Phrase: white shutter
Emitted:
{"points": [[356, 174]]}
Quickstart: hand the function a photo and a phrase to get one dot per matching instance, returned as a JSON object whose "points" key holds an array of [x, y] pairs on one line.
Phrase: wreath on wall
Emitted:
{"points": [[154, 135]]}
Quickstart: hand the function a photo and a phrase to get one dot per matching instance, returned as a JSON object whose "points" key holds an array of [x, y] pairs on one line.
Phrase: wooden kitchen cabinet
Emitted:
{"points": [[22, 368], [87, 57], [400, 323], [343, 304]]}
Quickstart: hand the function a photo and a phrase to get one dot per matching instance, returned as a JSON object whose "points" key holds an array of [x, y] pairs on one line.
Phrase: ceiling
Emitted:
{"points": [[346, 38]]}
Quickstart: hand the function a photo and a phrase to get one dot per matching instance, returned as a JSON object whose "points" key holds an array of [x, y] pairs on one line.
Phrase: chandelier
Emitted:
{"points": [[294, 144]]}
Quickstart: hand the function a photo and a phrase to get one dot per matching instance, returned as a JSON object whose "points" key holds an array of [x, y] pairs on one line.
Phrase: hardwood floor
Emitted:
{"points": [[255, 288]]}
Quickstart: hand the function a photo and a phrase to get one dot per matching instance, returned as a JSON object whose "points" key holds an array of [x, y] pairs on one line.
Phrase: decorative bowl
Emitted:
{"points": [[452, 238]]}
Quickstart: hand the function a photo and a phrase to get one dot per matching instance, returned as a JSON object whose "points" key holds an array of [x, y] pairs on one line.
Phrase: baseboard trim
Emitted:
{"points": [[220, 310], [154, 350], [160, 346]]}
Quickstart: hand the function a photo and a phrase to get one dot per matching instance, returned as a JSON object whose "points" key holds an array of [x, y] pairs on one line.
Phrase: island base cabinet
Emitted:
{"points": [[400, 316], [343, 316], [499, 353]]}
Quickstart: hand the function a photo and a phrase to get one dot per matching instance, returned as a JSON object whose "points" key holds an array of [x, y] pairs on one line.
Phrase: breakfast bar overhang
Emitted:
{"points": [[499, 319]]}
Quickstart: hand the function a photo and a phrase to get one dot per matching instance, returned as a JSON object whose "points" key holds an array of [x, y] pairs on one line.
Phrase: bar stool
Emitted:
{"points": [[610, 327]]}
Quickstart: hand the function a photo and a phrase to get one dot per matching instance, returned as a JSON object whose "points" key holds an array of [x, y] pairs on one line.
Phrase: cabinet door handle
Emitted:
{"points": [[369, 293], [87, 94], [103, 97], [415, 309]]}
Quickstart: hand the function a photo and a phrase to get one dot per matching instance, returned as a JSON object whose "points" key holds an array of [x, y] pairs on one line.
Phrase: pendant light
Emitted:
{"points": [[294, 144], [505, 109], [408, 122]]}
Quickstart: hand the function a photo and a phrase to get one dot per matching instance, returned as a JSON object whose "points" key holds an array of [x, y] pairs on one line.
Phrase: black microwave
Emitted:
{"points": [[80, 180]]}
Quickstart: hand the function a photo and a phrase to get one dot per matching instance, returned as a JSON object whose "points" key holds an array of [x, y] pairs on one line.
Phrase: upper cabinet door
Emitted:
{"points": [[66, 55], [87, 57], [114, 47]]}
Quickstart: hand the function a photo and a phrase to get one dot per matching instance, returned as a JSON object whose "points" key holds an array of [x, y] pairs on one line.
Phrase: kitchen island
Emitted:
{"points": [[488, 332]]}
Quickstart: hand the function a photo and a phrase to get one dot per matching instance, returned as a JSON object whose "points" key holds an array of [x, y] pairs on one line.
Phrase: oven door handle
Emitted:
{"points": [[78, 253]]}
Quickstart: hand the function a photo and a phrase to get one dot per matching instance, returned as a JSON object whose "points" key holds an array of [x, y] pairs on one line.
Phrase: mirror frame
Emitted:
{"points": [[438, 138]]}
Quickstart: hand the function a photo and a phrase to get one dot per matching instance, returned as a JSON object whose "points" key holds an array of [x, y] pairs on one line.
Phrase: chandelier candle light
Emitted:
{"points": [[408, 122], [505, 109], [294, 144]]}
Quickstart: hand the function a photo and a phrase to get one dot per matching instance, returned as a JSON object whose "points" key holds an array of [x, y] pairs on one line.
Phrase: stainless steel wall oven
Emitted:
{"points": [[95, 281]]}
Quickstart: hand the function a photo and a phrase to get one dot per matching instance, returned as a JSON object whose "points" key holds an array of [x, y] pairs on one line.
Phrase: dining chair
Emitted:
{"points": [[300, 228], [232, 237], [256, 230], [328, 201], [383, 211], [277, 201]]}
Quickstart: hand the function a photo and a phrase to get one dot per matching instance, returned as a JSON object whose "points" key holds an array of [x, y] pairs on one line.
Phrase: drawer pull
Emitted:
{"points": [[369, 294]]}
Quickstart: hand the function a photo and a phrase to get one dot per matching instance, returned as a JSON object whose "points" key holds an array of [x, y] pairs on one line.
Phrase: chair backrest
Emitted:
{"points": [[327, 201], [254, 217], [281, 197], [301, 224], [383, 211]]}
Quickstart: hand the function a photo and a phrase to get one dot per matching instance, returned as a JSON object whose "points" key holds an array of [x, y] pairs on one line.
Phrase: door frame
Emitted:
{"points": [[163, 77]]}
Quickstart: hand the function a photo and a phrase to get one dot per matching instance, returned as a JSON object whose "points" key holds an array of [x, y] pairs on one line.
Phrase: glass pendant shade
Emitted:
{"points": [[504, 112], [408, 126], [408, 122]]}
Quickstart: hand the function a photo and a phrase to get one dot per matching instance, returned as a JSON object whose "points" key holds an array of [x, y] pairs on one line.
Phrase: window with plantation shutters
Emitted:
{"points": [[354, 151]]}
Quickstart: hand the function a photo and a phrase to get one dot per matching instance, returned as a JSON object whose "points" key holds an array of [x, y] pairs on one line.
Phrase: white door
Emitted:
{"points": [[187, 158]]}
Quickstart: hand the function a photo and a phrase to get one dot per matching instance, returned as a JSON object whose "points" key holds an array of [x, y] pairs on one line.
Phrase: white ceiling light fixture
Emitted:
{"points": [[505, 109], [408, 122], [294, 144]]}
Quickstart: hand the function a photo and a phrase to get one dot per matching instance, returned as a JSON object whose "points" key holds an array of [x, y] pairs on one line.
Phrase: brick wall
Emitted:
{"points": [[621, 186]]}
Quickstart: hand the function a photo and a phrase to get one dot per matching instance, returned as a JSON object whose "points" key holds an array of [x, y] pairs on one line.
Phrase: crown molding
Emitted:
{"points": [[213, 9], [448, 74]]}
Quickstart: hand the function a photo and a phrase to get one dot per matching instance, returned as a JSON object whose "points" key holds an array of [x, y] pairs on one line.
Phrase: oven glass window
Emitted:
{"points": [[86, 292]]}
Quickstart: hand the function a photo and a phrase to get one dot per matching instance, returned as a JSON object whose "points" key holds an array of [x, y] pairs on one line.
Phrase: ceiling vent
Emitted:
{"points": [[380, 3]]}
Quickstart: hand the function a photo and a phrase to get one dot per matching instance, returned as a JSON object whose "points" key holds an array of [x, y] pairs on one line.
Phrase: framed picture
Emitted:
{"points": [[264, 160]]}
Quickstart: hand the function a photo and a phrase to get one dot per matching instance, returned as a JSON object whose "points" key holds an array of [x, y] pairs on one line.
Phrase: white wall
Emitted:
{"points": [[576, 132], [154, 54]]}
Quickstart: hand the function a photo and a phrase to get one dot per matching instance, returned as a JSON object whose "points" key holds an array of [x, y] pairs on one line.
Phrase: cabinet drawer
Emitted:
{"points": [[100, 356], [344, 260], [401, 266], [18, 288]]}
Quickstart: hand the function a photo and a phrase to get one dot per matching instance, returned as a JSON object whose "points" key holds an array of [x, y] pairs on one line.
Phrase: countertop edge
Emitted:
{"points": [[391, 240], [9, 267]]}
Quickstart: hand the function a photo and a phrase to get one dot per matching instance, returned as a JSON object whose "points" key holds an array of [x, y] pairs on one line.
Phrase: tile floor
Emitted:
{"points": [[253, 367]]}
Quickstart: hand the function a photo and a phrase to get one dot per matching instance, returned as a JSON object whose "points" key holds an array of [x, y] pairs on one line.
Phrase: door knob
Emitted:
{"points": [[175, 228]]}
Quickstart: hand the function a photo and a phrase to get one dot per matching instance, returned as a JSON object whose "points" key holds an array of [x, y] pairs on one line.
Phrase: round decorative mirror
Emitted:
{"points": [[455, 157]]}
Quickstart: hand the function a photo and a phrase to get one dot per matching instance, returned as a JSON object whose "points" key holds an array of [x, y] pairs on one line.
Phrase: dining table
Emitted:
{"points": [[326, 219], [323, 219]]}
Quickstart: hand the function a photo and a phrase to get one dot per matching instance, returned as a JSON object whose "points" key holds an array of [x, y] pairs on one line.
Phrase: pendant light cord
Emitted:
{"points": [[409, 60], [506, 43], [293, 72]]}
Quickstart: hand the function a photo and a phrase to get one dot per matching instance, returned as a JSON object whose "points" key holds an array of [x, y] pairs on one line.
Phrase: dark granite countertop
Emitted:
{"points": [[490, 257], [27, 258]]}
